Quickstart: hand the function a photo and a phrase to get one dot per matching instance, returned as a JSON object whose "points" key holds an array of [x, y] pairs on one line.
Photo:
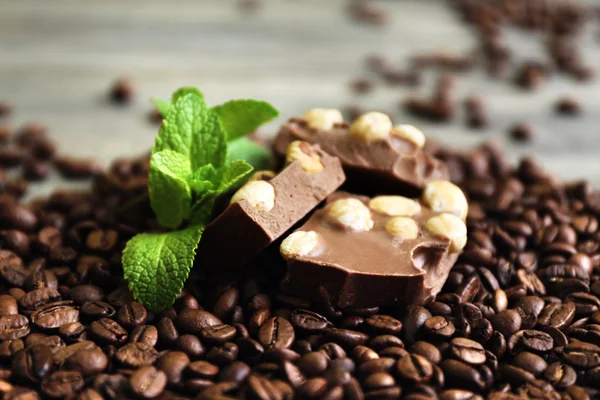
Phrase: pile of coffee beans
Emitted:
{"points": [[519, 316]]}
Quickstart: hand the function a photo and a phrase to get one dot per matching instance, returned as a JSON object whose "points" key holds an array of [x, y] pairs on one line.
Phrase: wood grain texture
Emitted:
{"points": [[58, 58]]}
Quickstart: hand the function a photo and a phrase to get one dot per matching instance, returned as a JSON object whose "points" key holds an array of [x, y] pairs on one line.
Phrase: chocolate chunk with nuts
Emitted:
{"points": [[377, 156], [261, 211], [387, 250]]}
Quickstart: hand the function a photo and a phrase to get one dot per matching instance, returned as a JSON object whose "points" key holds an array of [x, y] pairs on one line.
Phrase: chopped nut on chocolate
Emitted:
{"points": [[395, 206], [306, 154], [258, 194], [349, 213], [403, 228], [444, 196], [263, 175], [299, 243], [371, 126], [323, 118], [450, 227], [410, 133]]}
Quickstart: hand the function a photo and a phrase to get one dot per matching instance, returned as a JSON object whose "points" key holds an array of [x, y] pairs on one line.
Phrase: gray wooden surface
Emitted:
{"points": [[57, 59]]}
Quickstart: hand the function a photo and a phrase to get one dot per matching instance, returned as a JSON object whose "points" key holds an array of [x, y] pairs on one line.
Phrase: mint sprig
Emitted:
{"points": [[189, 168], [239, 117]]}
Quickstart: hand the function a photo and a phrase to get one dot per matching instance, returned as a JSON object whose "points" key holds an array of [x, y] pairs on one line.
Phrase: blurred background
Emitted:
{"points": [[59, 59]]}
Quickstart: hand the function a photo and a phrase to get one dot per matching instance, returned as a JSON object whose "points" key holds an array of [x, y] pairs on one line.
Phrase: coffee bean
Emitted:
{"points": [[531, 305], [9, 347], [54, 315], [193, 321], [224, 354], [413, 322], [13, 327], [62, 384], [438, 327], [313, 363], [76, 168], [53, 343], [383, 324], [37, 298], [381, 342], [560, 375], [292, 374], [260, 388], [84, 293], [96, 310], [135, 355], [147, 334], [532, 340], [557, 315], [88, 362], [148, 382], [21, 393], [414, 369], [235, 372], [62, 355], [459, 374], [530, 362], [250, 350], [427, 350], [515, 375], [376, 365], [313, 388], [190, 345], [32, 364], [107, 331], [218, 334], [132, 315], [276, 333], [309, 321], [507, 322], [226, 303], [353, 391], [467, 350]]}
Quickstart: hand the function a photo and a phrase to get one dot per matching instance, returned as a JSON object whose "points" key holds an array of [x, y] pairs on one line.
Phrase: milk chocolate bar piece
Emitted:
{"points": [[263, 210], [387, 164], [361, 252]]}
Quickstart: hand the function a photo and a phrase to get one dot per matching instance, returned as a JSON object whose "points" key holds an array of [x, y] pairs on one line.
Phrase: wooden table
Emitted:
{"points": [[58, 58]]}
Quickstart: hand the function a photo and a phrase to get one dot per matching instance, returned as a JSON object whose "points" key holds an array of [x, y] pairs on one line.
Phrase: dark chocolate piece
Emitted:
{"points": [[262, 211], [357, 252], [388, 165]]}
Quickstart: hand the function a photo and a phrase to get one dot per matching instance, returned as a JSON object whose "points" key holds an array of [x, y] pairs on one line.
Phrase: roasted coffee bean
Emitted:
{"points": [[459, 374], [353, 391], [530, 362], [76, 168], [37, 298], [62, 384], [132, 315], [107, 331], [9, 347], [193, 321], [147, 334], [425, 349], [88, 362], [135, 355], [148, 382], [467, 350], [439, 327], [16, 241], [63, 354], [313, 363], [218, 334], [201, 369], [167, 332], [557, 315], [531, 340], [377, 365], [292, 374], [507, 322], [345, 338], [226, 303], [55, 315], [224, 354], [381, 342], [18, 217], [531, 305], [13, 326], [560, 375], [414, 369], [412, 323], [96, 310], [276, 333], [260, 388], [190, 345], [84, 293], [237, 372], [32, 364], [309, 321], [383, 324]]}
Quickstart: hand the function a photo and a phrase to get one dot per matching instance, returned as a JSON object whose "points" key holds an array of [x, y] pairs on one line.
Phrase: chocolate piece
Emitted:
{"points": [[346, 258], [389, 165], [254, 219]]}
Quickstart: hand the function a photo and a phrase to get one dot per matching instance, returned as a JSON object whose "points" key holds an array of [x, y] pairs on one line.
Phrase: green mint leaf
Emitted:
{"points": [[255, 154], [170, 195], [195, 131], [183, 91], [240, 117], [204, 179], [162, 106], [156, 265], [234, 173], [203, 208]]}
